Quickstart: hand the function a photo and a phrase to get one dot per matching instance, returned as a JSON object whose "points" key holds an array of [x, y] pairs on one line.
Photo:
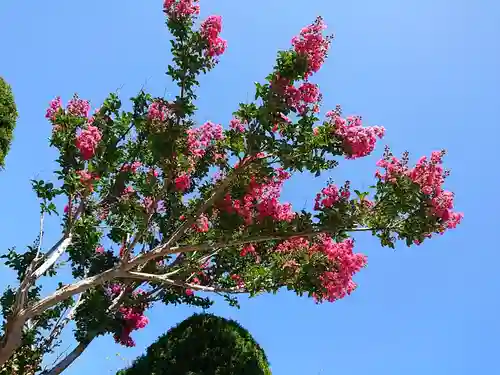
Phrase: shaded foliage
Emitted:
{"points": [[203, 344], [8, 117]]}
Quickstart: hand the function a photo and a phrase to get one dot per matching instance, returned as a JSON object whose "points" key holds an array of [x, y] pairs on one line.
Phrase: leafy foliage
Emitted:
{"points": [[203, 344], [8, 117], [160, 209]]}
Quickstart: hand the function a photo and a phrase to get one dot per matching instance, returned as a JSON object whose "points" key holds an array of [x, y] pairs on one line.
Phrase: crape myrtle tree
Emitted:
{"points": [[203, 344], [160, 208], [8, 117]]}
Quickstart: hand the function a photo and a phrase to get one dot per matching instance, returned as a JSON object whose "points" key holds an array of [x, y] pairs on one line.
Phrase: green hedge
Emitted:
{"points": [[8, 117], [203, 344]]}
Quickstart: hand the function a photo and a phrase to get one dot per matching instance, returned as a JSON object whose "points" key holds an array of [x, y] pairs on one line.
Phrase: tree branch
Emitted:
{"points": [[163, 279], [70, 358], [164, 249], [53, 255]]}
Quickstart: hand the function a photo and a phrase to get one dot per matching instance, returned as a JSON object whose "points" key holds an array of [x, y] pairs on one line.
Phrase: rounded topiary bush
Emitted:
{"points": [[203, 344], [8, 117]]}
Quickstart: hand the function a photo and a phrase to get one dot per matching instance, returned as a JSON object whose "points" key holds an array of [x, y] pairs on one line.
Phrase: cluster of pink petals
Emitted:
{"points": [[210, 30], [237, 125], [133, 317], [306, 96], [248, 249], [158, 111], [151, 205], [199, 139], [337, 282], [261, 201], [202, 224], [87, 141], [358, 140], [312, 44], [238, 280], [54, 106], [78, 107], [183, 182], [87, 179], [430, 176], [329, 196], [176, 9], [131, 167], [302, 97]]}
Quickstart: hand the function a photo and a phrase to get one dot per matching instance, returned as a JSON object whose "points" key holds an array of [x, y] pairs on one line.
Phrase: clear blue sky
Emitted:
{"points": [[428, 70]]}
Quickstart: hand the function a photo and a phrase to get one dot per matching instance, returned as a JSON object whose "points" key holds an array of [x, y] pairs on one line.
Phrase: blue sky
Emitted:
{"points": [[425, 69]]}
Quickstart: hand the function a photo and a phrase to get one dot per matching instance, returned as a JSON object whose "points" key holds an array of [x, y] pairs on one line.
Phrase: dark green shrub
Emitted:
{"points": [[203, 344], [8, 117]]}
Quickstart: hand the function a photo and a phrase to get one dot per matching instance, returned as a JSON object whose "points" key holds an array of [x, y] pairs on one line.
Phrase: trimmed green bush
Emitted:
{"points": [[8, 117], [203, 344]]}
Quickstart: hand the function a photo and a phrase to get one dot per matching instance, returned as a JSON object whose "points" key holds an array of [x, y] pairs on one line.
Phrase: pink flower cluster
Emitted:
{"points": [[202, 224], [131, 167], [430, 176], [240, 283], [358, 140], [158, 111], [343, 264], [132, 317], [311, 44], [237, 125], [152, 205], [199, 139], [262, 201], [87, 179], [78, 107], [300, 98], [176, 9], [329, 196], [54, 106], [183, 182], [210, 30], [87, 141], [337, 282]]}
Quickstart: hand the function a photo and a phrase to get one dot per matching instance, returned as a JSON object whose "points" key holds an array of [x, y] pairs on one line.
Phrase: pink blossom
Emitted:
{"points": [[99, 250], [236, 125], [158, 111], [429, 175], [87, 142], [293, 244], [87, 179], [189, 292], [133, 319], [131, 167], [247, 249], [358, 140], [177, 9], [311, 44], [337, 281], [54, 107], [210, 30], [201, 224], [78, 107], [261, 201], [329, 196], [202, 138], [183, 182], [238, 280]]}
